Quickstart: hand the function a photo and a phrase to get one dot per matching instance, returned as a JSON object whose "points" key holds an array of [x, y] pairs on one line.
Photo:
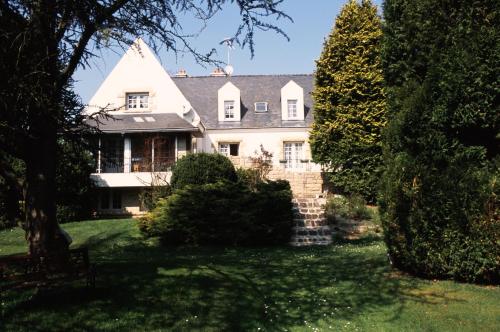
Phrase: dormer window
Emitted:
{"points": [[228, 109], [292, 102], [137, 101], [260, 107], [229, 103], [292, 108]]}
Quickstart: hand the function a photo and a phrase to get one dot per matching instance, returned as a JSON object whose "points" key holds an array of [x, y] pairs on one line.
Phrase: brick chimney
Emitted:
{"points": [[218, 72], [181, 73]]}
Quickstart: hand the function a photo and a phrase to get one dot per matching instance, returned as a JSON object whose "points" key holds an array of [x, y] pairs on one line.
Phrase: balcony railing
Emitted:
{"points": [[160, 164], [111, 165], [137, 164]]}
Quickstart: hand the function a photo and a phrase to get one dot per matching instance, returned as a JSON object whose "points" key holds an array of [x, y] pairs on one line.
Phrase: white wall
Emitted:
{"points": [[133, 179], [250, 140], [139, 71]]}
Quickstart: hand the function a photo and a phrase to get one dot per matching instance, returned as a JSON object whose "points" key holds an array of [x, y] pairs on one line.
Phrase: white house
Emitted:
{"points": [[156, 119]]}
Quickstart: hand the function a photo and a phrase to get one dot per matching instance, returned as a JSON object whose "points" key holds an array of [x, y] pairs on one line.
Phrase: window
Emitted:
{"points": [[117, 199], [104, 199], [260, 107], [229, 149], [292, 108], [137, 101], [228, 109], [293, 154]]}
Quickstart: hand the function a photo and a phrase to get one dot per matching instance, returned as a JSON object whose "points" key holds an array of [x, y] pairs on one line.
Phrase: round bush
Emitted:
{"points": [[202, 168]]}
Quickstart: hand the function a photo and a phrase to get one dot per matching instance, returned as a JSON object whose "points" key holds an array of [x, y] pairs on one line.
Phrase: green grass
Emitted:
{"points": [[144, 287]]}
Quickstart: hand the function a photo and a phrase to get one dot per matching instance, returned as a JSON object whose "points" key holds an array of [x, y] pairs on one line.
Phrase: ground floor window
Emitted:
{"points": [[104, 201], [117, 199], [110, 199], [293, 152], [229, 149]]}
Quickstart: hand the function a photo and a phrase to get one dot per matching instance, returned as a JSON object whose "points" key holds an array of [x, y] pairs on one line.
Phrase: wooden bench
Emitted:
{"points": [[25, 271]]}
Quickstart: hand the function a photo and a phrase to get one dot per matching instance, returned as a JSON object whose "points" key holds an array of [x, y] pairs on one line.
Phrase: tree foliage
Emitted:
{"points": [[202, 168], [440, 196], [349, 101], [43, 42], [223, 213]]}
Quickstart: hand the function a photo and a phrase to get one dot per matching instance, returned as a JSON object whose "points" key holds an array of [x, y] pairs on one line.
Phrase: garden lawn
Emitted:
{"points": [[144, 287]]}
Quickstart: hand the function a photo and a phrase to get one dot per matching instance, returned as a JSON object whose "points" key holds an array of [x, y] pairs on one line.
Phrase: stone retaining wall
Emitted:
{"points": [[305, 182]]}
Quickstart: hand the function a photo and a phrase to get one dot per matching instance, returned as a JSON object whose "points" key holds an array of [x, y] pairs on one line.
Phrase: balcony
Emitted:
{"points": [[137, 164], [137, 160]]}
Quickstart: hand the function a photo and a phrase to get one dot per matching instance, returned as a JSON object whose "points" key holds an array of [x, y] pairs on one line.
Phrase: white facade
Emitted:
{"points": [[271, 139], [226, 121], [139, 72]]}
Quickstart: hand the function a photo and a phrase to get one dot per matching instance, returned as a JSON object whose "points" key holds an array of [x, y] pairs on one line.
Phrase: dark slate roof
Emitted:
{"points": [[202, 94], [125, 123]]}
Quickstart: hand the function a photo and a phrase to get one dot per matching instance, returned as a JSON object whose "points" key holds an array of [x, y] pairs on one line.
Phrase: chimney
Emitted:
{"points": [[181, 73], [218, 72]]}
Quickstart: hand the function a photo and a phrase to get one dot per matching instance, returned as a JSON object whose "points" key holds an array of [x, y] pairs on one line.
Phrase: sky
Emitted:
{"points": [[312, 22]]}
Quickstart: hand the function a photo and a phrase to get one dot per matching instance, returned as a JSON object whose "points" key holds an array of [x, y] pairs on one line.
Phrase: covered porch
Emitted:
{"points": [[140, 152]]}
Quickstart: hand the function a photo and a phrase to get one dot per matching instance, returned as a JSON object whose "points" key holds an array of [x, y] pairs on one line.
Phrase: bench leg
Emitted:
{"points": [[91, 277]]}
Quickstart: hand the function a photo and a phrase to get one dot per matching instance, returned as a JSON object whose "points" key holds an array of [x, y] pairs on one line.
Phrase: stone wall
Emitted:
{"points": [[304, 183]]}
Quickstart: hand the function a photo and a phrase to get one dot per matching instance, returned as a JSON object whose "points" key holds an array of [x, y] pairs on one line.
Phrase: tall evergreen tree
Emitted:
{"points": [[349, 101], [441, 193]]}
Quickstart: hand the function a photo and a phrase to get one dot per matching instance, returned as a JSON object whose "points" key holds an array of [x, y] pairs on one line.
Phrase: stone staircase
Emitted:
{"points": [[311, 226]]}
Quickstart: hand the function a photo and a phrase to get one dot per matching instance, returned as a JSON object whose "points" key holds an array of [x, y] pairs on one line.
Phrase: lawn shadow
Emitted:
{"points": [[148, 287]]}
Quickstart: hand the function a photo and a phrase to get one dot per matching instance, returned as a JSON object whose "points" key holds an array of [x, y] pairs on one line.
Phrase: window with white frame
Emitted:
{"points": [[229, 149], [293, 152], [292, 108], [228, 109], [137, 101], [260, 107]]}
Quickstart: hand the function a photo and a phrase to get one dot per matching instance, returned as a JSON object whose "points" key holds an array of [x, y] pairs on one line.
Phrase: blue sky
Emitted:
{"points": [[313, 21]]}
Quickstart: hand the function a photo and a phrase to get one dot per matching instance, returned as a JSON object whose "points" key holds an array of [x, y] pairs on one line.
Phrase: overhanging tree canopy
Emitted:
{"points": [[43, 42]]}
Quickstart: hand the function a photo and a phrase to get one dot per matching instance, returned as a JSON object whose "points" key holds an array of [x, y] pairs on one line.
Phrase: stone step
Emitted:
{"points": [[304, 236]]}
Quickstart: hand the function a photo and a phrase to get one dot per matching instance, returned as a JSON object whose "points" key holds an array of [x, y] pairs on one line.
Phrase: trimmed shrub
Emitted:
{"points": [[202, 168], [271, 210], [223, 213], [349, 207]]}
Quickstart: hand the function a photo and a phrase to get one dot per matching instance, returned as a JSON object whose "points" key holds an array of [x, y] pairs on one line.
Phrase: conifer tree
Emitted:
{"points": [[349, 101], [440, 198]]}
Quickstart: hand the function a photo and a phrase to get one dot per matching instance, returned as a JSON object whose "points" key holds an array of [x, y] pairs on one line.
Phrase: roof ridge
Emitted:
{"points": [[244, 75]]}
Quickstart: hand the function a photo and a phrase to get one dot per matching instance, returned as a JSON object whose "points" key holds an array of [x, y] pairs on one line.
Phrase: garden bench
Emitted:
{"points": [[26, 271]]}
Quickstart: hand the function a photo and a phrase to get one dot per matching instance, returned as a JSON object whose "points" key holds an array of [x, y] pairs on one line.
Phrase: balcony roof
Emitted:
{"points": [[142, 122]]}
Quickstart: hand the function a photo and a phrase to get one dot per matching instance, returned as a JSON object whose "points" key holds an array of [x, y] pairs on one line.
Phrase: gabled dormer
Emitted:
{"points": [[229, 103], [292, 102]]}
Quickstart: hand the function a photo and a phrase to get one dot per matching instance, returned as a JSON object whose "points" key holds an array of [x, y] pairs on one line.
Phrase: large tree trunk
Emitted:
{"points": [[44, 235]]}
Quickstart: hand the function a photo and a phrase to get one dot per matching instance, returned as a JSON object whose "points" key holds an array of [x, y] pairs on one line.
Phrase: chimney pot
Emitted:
{"points": [[181, 73], [218, 72]]}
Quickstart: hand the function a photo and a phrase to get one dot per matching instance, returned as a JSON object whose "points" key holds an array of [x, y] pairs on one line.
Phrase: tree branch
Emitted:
{"points": [[88, 31]]}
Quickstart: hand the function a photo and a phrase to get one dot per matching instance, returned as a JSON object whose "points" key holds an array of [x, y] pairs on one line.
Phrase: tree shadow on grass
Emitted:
{"points": [[146, 287]]}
